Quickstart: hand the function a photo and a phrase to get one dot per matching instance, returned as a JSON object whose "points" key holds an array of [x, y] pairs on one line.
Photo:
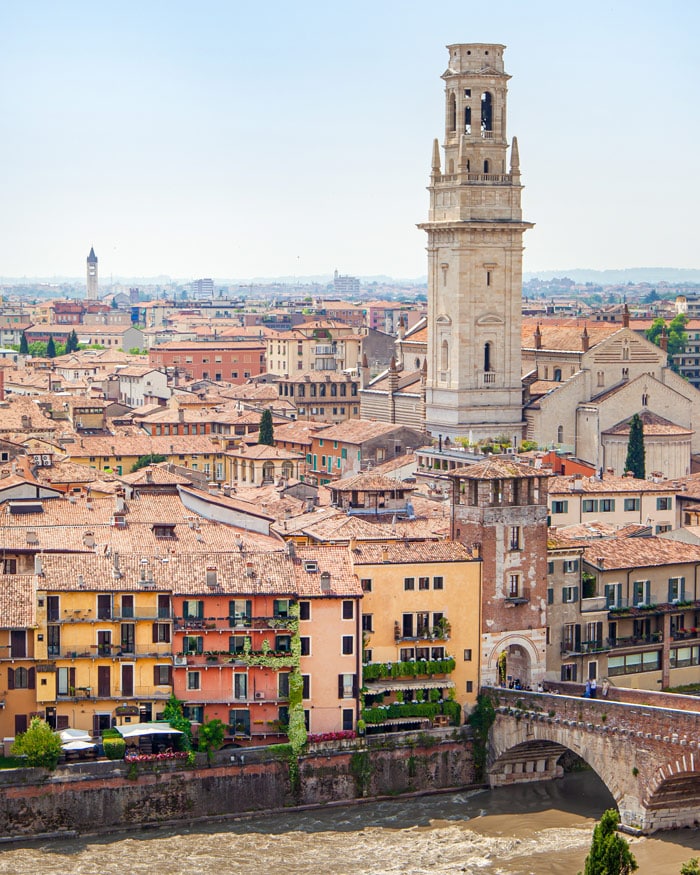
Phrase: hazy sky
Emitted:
{"points": [[242, 139]]}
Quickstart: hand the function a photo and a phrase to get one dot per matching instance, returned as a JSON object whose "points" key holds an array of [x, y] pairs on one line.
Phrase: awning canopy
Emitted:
{"points": [[77, 745], [386, 685], [134, 730], [74, 735]]}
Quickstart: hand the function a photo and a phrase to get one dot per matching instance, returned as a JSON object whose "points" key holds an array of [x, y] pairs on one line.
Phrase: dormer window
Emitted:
{"points": [[164, 530]]}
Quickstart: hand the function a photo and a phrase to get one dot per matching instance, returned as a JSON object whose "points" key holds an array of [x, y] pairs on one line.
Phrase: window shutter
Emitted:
{"points": [[575, 598], [670, 591], [340, 686], [170, 675], [71, 678], [249, 608], [577, 636], [681, 589], [31, 679], [599, 632], [550, 596], [156, 674], [564, 591], [155, 633], [10, 678], [355, 690]]}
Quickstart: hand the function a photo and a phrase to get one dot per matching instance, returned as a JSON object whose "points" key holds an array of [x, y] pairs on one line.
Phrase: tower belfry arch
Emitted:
{"points": [[475, 243]]}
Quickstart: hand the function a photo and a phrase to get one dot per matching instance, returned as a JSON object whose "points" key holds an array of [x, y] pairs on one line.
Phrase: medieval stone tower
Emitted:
{"points": [[92, 275], [475, 244]]}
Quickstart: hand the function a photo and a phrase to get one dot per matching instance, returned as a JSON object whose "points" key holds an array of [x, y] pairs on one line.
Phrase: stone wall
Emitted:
{"points": [[107, 796]]}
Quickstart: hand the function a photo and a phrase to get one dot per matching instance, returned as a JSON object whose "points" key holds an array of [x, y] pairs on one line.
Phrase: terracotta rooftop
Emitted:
{"points": [[406, 552], [357, 431], [639, 553], [497, 469], [17, 602], [370, 482], [652, 425], [610, 483], [565, 334]]}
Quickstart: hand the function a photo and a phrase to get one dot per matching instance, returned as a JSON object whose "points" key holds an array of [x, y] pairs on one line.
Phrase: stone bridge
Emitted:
{"points": [[644, 746]]}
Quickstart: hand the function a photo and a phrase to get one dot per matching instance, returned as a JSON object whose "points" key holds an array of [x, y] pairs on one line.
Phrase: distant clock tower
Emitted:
{"points": [[92, 276], [475, 244]]}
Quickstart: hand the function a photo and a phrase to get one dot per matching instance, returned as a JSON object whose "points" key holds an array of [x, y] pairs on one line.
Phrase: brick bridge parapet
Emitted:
{"points": [[648, 755]]}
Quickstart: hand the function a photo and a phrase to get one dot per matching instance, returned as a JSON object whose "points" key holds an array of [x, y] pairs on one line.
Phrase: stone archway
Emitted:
{"points": [[522, 661], [518, 666]]}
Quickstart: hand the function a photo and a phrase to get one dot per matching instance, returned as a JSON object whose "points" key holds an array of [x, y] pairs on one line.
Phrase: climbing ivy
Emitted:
{"points": [[481, 720]]}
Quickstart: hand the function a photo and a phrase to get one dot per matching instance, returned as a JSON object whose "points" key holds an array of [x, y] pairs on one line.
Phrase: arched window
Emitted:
{"points": [[486, 166], [486, 112], [487, 357], [268, 471], [444, 356], [417, 364], [287, 470], [625, 353], [645, 400], [560, 434], [557, 375], [625, 373], [467, 119], [453, 113]]}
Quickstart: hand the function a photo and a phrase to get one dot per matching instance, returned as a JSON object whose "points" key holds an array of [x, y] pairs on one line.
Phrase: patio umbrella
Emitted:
{"points": [[137, 729]]}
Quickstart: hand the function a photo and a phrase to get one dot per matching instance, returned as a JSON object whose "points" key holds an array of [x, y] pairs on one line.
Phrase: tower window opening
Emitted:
{"points": [[467, 119], [487, 357], [560, 434], [453, 112], [467, 92], [444, 355], [488, 277], [557, 375], [486, 166], [486, 112]]}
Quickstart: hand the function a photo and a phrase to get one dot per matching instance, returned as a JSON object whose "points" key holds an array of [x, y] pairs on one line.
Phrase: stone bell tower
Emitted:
{"points": [[92, 276], [475, 244]]}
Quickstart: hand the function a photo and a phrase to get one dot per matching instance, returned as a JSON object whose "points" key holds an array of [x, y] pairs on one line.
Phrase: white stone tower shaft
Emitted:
{"points": [[92, 276], [475, 246]]}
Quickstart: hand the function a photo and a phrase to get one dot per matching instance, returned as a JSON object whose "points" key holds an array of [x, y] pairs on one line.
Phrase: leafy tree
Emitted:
{"points": [[174, 714], [51, 348], [676, 336], [692, 867], [24, 345], [609, 854], [115, 306], [211, 736], [150, 459], [266, 433], [39, 744], [635, 461], [481, 720]]}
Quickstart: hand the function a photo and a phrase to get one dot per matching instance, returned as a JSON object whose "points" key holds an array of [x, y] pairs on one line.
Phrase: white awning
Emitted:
{"points": [[74, 735], [134, 730], [386, 685]]}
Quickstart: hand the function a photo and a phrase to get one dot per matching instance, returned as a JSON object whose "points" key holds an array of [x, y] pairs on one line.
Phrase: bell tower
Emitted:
{"points": [[92, 276], [475, 244]]}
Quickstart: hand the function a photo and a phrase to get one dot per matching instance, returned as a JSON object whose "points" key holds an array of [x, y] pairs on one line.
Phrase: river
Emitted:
{"points": [[534, 828]]}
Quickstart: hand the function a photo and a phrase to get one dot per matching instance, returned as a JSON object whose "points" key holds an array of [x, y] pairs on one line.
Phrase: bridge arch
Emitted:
{"points": [[673, 794]]}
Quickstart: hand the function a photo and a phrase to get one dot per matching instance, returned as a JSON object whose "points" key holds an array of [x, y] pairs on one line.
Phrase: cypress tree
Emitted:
{"points": [[609, 854], [24, 345], [635, 461], [72, 342], [50, 349], [266, 433]]}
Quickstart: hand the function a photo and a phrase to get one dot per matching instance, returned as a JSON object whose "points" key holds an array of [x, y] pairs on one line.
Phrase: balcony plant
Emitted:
{"points": [[442, 629]]}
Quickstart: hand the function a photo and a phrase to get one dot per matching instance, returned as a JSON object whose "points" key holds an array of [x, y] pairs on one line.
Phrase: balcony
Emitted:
{"points": [[240, 621], [583, 647], [522, 597], [635, 640], [115, 651], [596, 603], [685, 634]]}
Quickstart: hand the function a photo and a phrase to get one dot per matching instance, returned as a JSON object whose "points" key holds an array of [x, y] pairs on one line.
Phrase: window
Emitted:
{"points": [[572, 637], [304, 610], [240, 611], [161, 633], [348, 719], [613, 595], [515, 537], [240, 686], [641, 592], [239, 721], [560, 507], [438, 583], [550, 596], [570, 566], [348, 646], [194, 680], [676, 589], [280, 608], [366, 584], [663, 527], [9, 566], [513, 585], [423, 583], [550, 568], [127, 606], [193, 609], [367, 623], [406, 654], [54, 640], [306, 686], [21, 679], [283, 643], [664, 503], [569, 594], [162, 675], [53, 611], [633, 663], [631, 504], [346, 686], [104, 607], [348, 609], [470, 686], [468, 655], [607, 505], [193, 644], [305, 645], [409, 583], [589, 505], [568, 672]]}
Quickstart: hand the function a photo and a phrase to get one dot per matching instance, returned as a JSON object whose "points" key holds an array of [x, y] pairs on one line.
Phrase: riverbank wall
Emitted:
{"points": [[108, 796]]}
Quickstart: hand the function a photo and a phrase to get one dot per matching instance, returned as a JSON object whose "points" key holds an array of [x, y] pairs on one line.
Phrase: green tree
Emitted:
{"points": [[150, 459], [211, 736], [24, 345], [692, 867], [39, 744], [266, 433], [676, 336], [72, 342], [51, 349], [174, 714], [609, 854], [635, 461]]}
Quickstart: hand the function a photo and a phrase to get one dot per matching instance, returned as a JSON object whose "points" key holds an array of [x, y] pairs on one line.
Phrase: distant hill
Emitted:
{"points": [[625, 275]]}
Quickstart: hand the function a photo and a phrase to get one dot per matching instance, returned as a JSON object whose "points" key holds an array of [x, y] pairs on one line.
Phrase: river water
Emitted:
{"points": [[526, 830]]}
